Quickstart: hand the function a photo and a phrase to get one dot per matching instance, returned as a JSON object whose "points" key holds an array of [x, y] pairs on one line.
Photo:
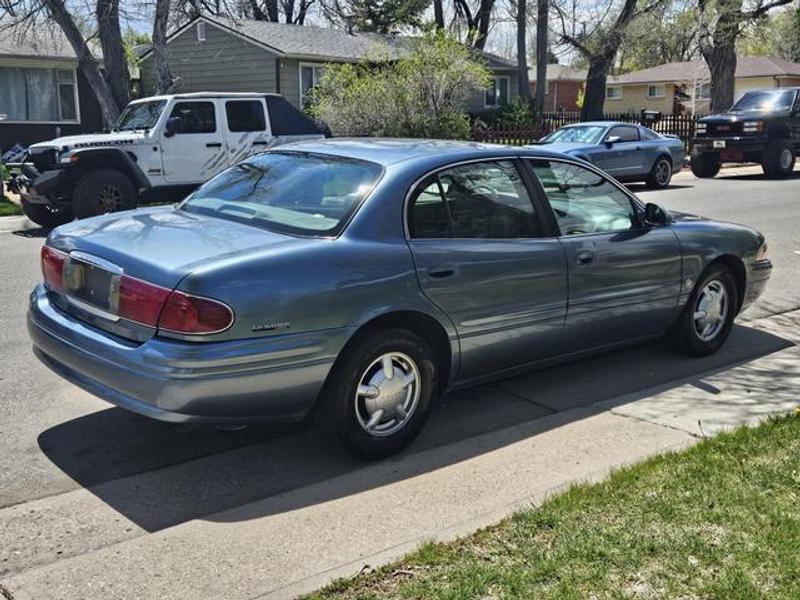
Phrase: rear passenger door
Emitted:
{"points": [[246, 128], [484, 256], [196, 152]]}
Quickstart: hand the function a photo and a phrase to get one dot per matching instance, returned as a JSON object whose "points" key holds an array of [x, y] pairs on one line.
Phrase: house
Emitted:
{"points": [[564, 85], [224, 55], [685, 86], [42, 91]]}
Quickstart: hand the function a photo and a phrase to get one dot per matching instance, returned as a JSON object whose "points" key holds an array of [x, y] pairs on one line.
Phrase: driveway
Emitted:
{"points": [[91, 496]]}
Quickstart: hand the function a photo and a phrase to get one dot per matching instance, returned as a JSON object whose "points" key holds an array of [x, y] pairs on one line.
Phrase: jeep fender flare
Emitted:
{"points": [[109, 158]]}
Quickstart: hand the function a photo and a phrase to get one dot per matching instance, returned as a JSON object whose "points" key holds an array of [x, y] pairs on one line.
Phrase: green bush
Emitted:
{"points": [[423, 94]]}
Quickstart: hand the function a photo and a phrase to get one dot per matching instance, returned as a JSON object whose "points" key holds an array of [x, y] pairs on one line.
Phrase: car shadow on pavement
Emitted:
{"points": [[159, 475], [641, 188]]}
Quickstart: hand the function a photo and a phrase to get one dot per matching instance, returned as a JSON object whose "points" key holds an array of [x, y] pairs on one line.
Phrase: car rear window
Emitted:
{"points": [[289, 192]]}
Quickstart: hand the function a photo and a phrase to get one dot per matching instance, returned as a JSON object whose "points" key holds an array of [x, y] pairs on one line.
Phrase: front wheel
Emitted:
{"points": [[379, 394], [102, 191], [660, 175], [705, 165], [778, 159], [47, 216], [708, 316]]}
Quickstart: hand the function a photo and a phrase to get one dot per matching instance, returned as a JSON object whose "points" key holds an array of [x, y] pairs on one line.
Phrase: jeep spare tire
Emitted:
{"points": [[102, 191], [47, 216]]}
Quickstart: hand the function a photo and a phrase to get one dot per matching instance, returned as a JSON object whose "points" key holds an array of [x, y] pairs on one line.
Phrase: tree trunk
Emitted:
{"points": [[721, 61], [115, 63], [164, 79], [522, 51], [438, 14], [595, 94], [542, 16], [483, 19], [86, 62]]}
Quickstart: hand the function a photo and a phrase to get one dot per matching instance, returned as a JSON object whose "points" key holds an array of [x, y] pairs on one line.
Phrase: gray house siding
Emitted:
{"points": [[222, 63], [476, 105]]}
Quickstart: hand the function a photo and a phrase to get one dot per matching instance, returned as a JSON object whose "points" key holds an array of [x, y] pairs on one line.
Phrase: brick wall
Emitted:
{"points": [[561, 95]]}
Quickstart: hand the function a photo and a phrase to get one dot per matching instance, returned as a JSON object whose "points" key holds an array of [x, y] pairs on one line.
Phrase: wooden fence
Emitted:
{"points": [[679, 125]]}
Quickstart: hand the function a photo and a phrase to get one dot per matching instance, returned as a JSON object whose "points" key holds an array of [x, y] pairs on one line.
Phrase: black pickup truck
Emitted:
{"points": [[763, 126]]}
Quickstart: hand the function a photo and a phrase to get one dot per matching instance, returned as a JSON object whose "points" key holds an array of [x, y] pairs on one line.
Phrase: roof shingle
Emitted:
{"points": [[746, 66]]}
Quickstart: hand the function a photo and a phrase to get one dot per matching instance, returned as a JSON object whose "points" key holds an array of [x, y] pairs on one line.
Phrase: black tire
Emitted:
{"points": [[46, 216], [102, 191], [661, 174], [684, 335], [778, 159], [705, 165], [343, 413]]}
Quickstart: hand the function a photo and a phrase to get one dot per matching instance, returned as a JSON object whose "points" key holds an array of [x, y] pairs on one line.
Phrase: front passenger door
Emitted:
{"points": [[624, 277], [485, 257], [196, 152]]}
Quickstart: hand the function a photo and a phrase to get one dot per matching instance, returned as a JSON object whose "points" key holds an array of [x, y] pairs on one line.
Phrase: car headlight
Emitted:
{"points": [[753, 126], [701, 128], [762, 252]]}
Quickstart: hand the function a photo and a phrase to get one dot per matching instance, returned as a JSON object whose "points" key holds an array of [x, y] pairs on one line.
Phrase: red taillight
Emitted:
{"points": [[140, 301], [53, 267], [188, 314]]}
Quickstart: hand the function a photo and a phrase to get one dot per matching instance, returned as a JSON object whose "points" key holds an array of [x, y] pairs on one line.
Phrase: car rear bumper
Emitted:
{"points": [[757, 276], [275, 379]]}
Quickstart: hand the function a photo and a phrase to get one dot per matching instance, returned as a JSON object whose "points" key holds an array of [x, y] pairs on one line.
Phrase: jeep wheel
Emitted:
{"points": [[46, 216], [102, 191], [778, 159], [705, 165], [660, 175]]}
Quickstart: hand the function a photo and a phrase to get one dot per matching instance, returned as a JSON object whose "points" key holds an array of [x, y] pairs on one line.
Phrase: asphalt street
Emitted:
{"points": [[55, 438]]}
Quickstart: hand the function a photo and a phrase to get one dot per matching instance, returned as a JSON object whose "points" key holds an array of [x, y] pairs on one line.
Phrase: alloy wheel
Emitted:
{"points": [[786, 159], [663, 172], [711, 310], [110, 198], [388, 393]]}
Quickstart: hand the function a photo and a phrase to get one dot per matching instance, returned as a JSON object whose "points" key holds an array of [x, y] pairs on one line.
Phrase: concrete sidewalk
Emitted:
{"points": [[296, 541]]}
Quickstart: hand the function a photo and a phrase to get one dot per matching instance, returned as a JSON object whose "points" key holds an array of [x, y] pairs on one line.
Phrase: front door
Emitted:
{"points": [[246, 128], [624, 277], [196, 151], [482, 256], [624, 157]]}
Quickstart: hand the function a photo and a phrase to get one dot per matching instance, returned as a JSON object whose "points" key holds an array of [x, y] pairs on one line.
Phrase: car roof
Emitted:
{"points": [[387, 151], [196, 95], [602, 124]]}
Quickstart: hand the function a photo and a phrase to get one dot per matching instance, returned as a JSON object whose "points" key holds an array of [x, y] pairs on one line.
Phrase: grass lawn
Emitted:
{"points": [[8, 208], [719, 520]]}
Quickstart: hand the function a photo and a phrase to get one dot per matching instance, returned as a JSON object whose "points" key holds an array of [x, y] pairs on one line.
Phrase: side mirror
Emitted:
{"points": [[172, 127], [656, 216], [611, 140]]}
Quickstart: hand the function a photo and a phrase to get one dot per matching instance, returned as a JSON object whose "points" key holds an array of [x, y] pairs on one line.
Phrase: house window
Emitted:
{"points": [[310, 76], [201, 31], [614, 93], [704, 91], [655, 91], [39, 95], [497, 92]]}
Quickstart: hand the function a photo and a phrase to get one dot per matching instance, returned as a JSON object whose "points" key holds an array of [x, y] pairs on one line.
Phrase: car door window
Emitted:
{"points": [[196, 117], [584, 201], [427, 212], [625, 133], [245, 115]]}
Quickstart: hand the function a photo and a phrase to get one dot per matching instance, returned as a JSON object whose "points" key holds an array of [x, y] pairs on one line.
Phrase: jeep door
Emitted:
{"points": [[485, 256], [247, 130], [196, 150]]}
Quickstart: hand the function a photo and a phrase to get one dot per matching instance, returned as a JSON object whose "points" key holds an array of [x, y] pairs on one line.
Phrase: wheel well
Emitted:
{"points": [[663, 155], [423, 325], [734, 263]]}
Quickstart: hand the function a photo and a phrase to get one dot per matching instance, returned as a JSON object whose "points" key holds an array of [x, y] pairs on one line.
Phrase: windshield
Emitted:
{"points": [[585, 134], [141, 115], [289, 192], [767, 101]]}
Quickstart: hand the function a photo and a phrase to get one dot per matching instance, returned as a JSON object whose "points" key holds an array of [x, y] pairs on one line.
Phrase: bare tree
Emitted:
{"points": [[721, 22], [115, 63], [164, 78], [542, 20], [476, 19], [438, 13], [599, 48]]}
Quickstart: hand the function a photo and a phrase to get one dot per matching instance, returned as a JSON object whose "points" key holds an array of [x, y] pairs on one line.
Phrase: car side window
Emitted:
{"points": [[476, 200], [625, 133], [196, 117], [649, 134], [245, 115], [584, 201]]}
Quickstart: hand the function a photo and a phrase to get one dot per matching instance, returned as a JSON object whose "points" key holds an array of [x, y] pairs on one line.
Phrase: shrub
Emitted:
{"points": [[422, 94]]}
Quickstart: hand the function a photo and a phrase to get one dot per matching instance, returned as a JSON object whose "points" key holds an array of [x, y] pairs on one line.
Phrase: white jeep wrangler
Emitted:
{"points": [[160, 149]]}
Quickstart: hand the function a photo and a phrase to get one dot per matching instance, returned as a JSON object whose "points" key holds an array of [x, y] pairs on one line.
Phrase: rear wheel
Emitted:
{"points": [[708, 316], [660, 175], [379, 395], [102, 191], [47, 216], [705, 165], [778, 159]]}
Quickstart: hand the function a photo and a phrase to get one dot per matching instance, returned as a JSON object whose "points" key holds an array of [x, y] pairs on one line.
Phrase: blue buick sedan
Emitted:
{"points": [[357, 280], [628, 152]]}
